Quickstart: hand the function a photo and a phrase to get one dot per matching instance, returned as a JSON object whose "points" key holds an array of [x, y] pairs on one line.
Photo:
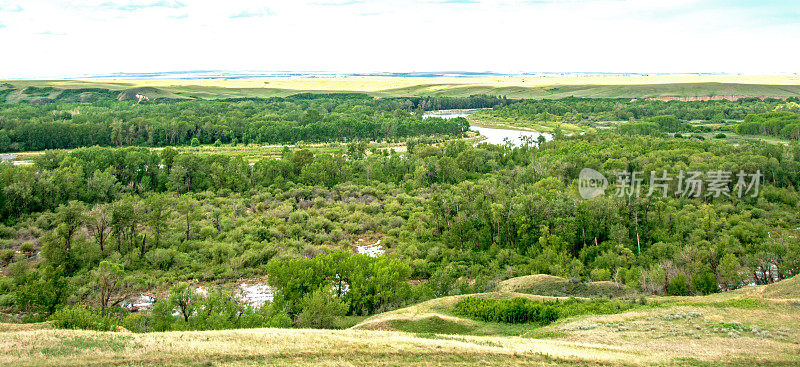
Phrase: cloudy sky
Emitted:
{"points": [[49, 38]]}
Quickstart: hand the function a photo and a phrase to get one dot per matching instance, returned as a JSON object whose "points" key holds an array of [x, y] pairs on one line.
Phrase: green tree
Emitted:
{"points": [[189, 211], [678, 286], [157, 212], [183, 298], [730, 271], [41, 291], [320, 309], [5, 141], [99, 224], [70, 217], [168, 157], [108, 283], [705, 282]]}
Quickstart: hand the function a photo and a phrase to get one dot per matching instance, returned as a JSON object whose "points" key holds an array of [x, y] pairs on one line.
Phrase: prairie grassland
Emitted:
{"points": [[751, 326], [671, 335], [288, 347], [513, 87]]}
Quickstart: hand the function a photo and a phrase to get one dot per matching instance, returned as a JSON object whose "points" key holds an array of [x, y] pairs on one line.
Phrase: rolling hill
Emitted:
{"points": [[512, 87], [733, 328]]}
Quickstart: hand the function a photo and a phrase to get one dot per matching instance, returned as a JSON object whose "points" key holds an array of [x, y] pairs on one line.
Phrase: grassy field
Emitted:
{"points": [[512, 87], [253, 153], [752, 326], [548, 285], [483, 119]]}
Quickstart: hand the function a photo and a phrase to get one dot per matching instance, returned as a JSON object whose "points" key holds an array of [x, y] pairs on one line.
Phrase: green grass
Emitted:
{"points": [[432, 325], [547, 285], [482, 119]]}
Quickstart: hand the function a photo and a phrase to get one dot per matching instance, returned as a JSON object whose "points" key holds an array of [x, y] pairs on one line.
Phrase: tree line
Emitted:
{"points": [[63, 125]]}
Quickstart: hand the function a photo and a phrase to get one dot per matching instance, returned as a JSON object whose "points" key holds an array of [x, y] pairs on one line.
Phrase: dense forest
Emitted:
{"points": [[606, 109], [63, 123], [779, 124], [91, 225]]}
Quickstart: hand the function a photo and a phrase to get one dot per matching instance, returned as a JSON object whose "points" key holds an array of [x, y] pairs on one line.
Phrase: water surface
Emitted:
{"points": [[493, 135]]}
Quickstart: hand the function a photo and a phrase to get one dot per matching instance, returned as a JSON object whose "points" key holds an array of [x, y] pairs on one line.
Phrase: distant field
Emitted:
{"points": [[512, 87]]}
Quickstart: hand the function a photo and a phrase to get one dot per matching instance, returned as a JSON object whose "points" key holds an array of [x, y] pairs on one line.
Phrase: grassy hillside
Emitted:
{"points": [[733, 328], [753, 325], [548, 285], [513, 87], [278, 347]]}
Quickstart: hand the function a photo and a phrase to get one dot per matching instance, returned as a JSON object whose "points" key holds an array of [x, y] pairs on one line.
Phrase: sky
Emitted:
{"points": [[61, 39]]}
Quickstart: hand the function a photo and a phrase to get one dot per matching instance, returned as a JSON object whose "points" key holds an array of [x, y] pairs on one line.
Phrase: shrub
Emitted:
{"points": [[320, 309], [600, 274], [280, 320], [137, 323], [161, 318], [705, 282], [79, 317], [6, 256], [26, 247], [522, 310], [161, 258], [720, 136], [514, 311], [678, 286]]}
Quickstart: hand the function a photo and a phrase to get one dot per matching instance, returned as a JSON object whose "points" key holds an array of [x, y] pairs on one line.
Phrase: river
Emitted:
{"points": [[493, 135]]}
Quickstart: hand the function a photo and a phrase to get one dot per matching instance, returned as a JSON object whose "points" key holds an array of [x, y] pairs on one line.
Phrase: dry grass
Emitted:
{"points": [[288, 347], [513, 87], [754, 325], [734, 328], [438, 307], [657, 336]]}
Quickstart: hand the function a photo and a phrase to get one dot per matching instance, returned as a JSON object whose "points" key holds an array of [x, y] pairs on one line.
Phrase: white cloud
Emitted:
{"points": [[101, 36]]}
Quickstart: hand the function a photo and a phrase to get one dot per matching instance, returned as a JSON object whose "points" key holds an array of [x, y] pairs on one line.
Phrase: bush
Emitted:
{"points": [[137, 323], [705, 282], [6, 256], [522, 310], [678, 286], [600, 274], [281, 320], [26, 247], [320, 309], [161, 258], [79, 317], [720, 136], [514, 311]]}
